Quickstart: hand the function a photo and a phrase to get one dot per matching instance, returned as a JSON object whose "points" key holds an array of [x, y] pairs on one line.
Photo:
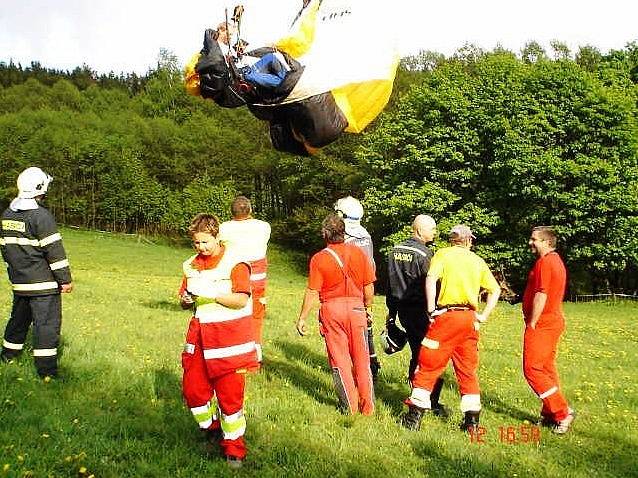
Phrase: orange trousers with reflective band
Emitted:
{"points": [[199, 387], [539, 365], [453, 335], [344, 327]]}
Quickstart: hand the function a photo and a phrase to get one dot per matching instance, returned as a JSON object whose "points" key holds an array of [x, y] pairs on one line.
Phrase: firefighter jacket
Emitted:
{"points": [[226, 334], [408, 265], [358, 235], [32, 248]]}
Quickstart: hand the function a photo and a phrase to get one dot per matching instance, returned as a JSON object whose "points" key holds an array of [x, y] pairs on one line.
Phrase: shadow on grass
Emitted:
{"points": [[300, 378], [391, 393], [441, 465], [497, 405]]}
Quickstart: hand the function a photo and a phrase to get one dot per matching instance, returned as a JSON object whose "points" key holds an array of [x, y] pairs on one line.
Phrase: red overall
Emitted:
{"points": [[453, 335], [540, 344], [219, 349], [343, 322]]}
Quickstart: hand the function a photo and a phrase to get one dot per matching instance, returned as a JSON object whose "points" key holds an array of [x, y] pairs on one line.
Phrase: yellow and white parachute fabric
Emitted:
{"points": [[342, 63], [345, 48]]}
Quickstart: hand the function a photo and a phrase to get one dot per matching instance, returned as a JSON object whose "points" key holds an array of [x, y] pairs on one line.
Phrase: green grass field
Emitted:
{"points": [[118, 411]]}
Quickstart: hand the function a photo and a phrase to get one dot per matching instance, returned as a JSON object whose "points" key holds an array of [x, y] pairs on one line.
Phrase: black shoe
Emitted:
{"points": [[439, 410], [375, 367], [412, 418], [471, 421], [214, 436]]}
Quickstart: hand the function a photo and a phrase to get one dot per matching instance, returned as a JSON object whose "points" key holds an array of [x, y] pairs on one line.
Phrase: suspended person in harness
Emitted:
{"points": [[342, 278], [351, 210], [232, 77], [38, 270]]}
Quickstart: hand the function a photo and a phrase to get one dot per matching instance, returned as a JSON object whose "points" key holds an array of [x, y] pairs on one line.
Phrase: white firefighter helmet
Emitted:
{"points": [[349, 208], [33, 182], [393, 337]]}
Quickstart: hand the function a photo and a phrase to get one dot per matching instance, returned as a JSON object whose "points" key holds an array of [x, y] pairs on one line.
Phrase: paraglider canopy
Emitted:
{"points": [[335, 74]]}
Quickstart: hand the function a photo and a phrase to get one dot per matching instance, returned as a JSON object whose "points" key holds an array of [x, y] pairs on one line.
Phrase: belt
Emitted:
{"points": [[457, 307]]}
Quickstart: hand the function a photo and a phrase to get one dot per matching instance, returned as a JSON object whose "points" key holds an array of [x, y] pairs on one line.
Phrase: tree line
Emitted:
{"points": [[496, 140]]}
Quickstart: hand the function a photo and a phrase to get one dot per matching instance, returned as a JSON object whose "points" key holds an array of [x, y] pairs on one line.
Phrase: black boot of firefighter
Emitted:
{"points": [[412, 418], [471, 421], [438, 409]]}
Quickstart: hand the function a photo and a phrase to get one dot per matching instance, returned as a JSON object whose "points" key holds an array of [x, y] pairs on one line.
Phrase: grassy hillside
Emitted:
{"points": [[118, 412]]}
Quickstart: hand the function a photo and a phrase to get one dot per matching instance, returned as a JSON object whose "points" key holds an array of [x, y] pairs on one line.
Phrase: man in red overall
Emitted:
{"points": [[544, 324], [453, 334], [220, 345], [248, 237], [342, 278]]}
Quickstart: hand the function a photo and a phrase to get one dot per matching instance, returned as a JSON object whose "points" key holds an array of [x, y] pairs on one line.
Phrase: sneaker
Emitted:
{"points": [[562, 427], [234, 462], [412, 418]]}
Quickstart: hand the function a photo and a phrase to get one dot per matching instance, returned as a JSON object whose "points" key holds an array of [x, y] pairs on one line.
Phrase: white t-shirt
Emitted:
{"points": [[246, 237]]}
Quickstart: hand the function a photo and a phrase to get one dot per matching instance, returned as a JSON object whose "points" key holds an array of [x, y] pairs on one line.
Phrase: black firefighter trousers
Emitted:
{"points": [[45, 313]]}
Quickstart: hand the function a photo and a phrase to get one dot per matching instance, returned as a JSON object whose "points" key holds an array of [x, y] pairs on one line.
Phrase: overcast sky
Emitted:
{"points": [[126, 35]]}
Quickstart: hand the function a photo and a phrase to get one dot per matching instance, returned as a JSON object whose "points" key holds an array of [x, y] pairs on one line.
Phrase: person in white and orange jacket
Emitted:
{"points": [[220, 346], [248, 237]]}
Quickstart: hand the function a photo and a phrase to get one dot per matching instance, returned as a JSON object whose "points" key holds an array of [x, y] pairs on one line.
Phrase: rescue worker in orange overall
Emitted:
{"points": [[544, 324], [220, 344], [454, 331], [248, 238], [342, 279], [351, 211]]}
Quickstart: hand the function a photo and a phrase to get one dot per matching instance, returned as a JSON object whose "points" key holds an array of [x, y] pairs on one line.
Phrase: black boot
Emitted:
{"points": [[412, 418], [471, 421], [438, 409]]}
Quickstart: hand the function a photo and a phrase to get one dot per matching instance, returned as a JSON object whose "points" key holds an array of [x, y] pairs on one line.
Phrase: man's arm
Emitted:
{"points": [[538, 305], [430, 292], [492, 300], [310, 299]]}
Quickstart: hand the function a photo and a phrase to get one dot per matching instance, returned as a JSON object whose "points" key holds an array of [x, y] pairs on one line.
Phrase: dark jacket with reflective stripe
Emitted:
{"points": [[408, 265], [32, 248]]}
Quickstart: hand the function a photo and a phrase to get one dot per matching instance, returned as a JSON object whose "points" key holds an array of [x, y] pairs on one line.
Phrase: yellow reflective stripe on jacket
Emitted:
{"points": [[59, 264], [233, 350], [50, 239], [35, 286]]}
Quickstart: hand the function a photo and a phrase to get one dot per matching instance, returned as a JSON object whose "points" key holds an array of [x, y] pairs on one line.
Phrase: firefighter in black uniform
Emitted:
{"points": [[38, 271], [408, 265]]}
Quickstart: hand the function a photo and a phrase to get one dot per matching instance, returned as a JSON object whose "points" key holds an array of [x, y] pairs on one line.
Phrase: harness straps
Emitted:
{"points": [[347, 279]]}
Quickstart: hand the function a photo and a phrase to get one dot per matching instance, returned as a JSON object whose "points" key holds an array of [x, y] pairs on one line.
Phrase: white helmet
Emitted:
{"points": [[349, 208], [33, 182]]}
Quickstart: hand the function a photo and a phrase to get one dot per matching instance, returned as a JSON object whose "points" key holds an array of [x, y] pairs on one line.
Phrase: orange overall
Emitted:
{"points": [[340, 272], [540, 343], [219, 348]]}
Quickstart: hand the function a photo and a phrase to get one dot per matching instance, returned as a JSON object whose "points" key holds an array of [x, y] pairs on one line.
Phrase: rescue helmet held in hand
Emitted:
{"points": [[349, 208], [393, 337], [33, 182]]}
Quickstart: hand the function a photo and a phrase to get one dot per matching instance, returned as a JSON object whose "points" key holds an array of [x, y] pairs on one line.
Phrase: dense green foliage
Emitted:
{"points": [[499, 141], [504, 144], [119, 413]]}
